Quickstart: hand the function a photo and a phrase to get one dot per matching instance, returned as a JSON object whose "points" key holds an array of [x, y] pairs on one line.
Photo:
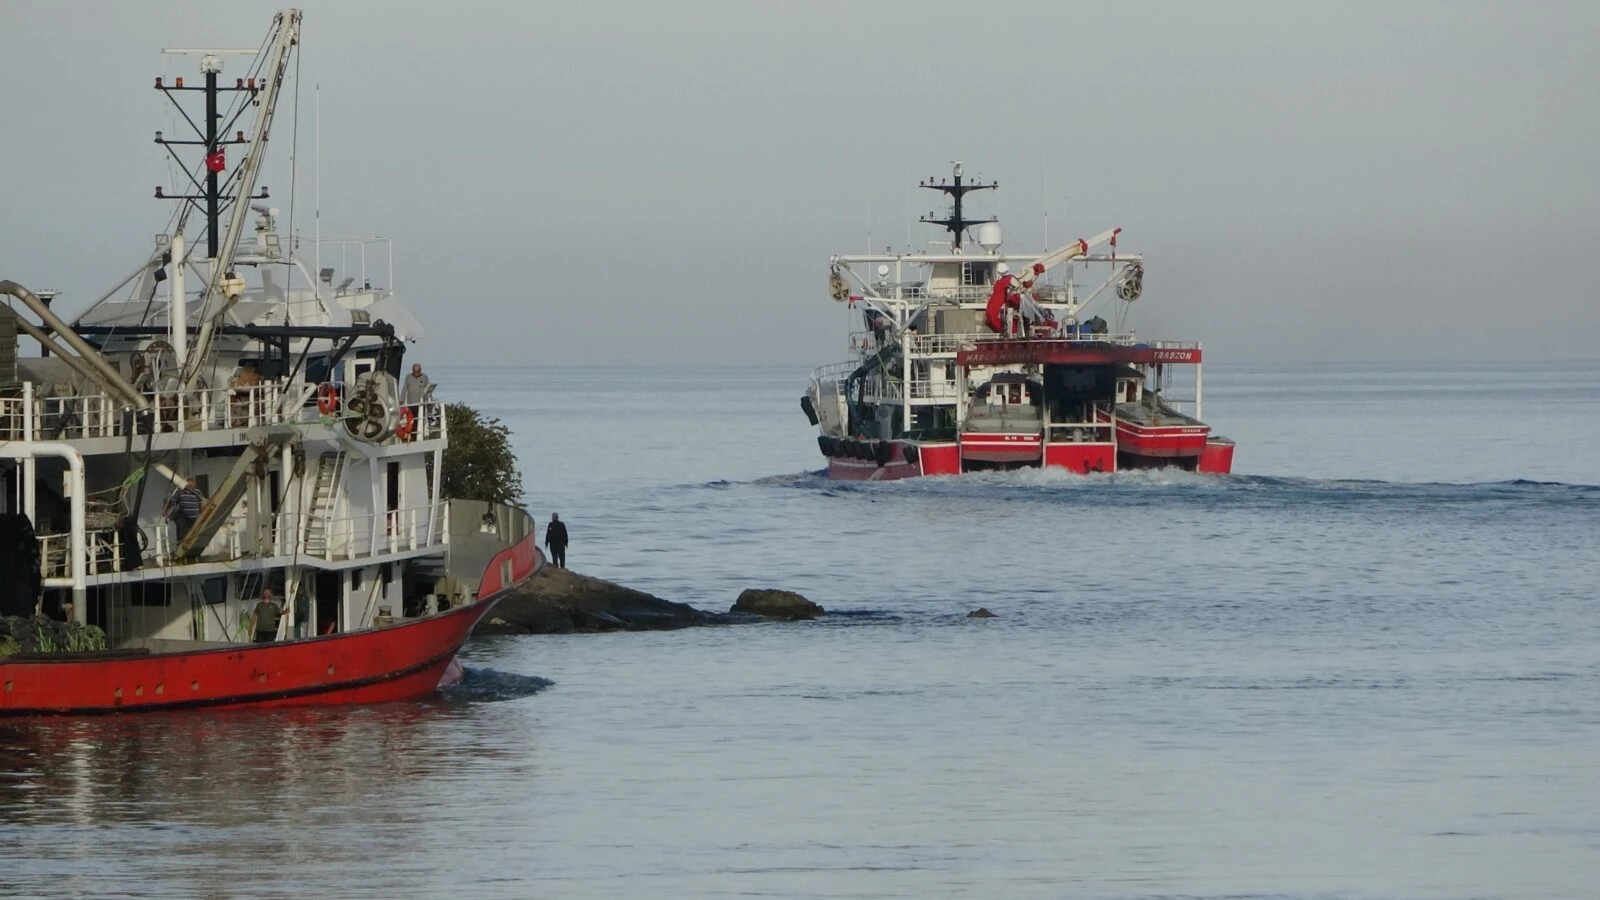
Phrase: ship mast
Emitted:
{"points": [[954, 223], [221, 282]]}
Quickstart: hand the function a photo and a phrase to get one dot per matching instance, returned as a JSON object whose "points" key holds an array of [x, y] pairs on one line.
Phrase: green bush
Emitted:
{"points": [[42, 634], [479, 464]]}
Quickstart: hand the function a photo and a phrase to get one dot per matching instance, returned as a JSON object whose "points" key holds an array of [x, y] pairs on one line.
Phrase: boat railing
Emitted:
{"points": [[82, 416], [948, 344], [960, 293], [348, 539], [390, 531], [835, 371], [1097, 432], [894, 390], [933, 389]]}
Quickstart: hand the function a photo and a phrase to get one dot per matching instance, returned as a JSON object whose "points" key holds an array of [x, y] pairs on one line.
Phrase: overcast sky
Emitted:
{"points": [[663, 182]]}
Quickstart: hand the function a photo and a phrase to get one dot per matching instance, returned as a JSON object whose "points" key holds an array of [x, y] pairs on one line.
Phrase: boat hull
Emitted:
{"points": [[1217, 457], [1002, 448], [403, 661], [911, 460]]}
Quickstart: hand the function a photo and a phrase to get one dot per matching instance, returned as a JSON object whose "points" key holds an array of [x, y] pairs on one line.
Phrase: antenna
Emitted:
{"points": [[955, 223], [316, 192], [1047, 199], [869, 215]]}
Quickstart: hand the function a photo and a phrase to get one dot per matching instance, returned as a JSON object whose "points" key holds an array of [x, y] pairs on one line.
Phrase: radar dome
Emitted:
{"points": [[989, 236]]}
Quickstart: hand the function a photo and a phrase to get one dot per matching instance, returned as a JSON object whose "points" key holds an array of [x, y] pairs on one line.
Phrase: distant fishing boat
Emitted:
{"points": [[963, 361], [275, 390]]}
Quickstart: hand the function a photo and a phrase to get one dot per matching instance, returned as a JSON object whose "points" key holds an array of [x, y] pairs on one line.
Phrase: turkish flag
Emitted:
{"points": [[216, 162]]}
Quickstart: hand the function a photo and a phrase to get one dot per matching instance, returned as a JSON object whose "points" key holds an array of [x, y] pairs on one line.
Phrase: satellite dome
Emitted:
{"points": [[989, 236]]}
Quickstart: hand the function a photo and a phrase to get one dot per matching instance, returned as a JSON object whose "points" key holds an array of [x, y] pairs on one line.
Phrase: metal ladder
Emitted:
{"points": [[324, 497]]}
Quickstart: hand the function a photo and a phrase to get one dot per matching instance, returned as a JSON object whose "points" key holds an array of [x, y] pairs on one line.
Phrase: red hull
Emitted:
{"points": [[1081, 457], [1160, 440], [394, 662], [1217, 458], [1213, 455], [1018, 449]]}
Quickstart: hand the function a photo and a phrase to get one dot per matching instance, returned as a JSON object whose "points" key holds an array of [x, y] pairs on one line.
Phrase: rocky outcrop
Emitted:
{"points": [[775, 604], [560, 601], [981, 613]]}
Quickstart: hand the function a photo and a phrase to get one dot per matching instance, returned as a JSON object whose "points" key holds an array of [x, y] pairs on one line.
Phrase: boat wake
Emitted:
{"points": [[1146, 486], [492, 686]]}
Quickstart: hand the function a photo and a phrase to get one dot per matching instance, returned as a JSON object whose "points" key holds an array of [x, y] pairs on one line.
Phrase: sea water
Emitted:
{"points": [[1367, 665]]}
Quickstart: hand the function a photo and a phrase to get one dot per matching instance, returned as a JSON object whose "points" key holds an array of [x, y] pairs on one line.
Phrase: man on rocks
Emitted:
{"points": [[555, 538]]}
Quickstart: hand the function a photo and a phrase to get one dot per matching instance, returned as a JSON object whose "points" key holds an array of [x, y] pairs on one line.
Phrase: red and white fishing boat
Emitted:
{"points": [[966, 360], [275, 390]]}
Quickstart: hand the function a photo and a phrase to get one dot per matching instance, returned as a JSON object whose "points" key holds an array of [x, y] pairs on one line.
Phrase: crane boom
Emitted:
{"points": [[1010, 290]]}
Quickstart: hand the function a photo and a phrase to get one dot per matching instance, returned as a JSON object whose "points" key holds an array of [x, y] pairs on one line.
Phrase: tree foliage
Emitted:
{"points": [[479, 464]]}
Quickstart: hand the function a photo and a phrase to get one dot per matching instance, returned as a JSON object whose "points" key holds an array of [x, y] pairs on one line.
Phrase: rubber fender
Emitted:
{"points": [[880, 453], [822, 444], [808, 409], [910, 451]]}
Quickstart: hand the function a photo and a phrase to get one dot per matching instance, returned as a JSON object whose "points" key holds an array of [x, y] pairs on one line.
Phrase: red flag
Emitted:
{"points": [[216, 162]]}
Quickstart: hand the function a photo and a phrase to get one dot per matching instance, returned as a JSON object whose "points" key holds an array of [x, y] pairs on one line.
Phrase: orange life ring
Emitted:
{"points": [[327, 399], [408, 420]]}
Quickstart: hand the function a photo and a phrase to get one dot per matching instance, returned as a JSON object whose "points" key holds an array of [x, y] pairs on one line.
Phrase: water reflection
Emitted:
{"points": [[220, 768], [191, 802]]}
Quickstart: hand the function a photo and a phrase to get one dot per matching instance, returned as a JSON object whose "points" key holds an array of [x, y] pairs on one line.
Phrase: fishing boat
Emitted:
{"points": [[267, 390], [974, 358]]}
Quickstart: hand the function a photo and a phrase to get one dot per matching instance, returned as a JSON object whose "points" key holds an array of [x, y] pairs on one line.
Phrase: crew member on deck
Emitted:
{"points": [[183, 507], [555, 538], [264, 618], [414, 393]]}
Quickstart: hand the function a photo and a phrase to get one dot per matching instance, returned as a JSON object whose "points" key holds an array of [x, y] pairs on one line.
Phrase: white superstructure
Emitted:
{"points": [[223, 357]]}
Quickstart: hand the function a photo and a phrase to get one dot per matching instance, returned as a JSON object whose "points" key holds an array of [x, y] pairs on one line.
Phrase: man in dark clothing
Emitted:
{"points": [[264, 618], [555, 538], [183, 507]]}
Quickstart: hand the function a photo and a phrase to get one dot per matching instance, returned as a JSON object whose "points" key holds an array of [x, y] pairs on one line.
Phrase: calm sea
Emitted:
{"points": [[1367, 666]]}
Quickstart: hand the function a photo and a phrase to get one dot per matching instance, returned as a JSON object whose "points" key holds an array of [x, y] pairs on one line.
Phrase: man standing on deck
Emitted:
{"points": [[555, 538], [183, 507], [264, 618], [413, 393]]}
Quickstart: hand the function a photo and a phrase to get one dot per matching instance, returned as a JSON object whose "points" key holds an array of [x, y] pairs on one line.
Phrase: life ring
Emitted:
{"points": [[327, 399], [408, 420]]}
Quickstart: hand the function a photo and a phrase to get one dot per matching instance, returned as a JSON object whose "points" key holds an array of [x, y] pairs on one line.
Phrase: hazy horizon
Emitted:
{"points": [[664, 185]]}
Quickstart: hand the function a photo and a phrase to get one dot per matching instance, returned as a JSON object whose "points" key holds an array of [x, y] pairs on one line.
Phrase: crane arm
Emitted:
{"points": [[1012, 289], [1064, 254]]}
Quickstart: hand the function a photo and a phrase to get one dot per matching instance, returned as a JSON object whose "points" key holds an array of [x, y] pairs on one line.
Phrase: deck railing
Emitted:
{"points": [[347, 539], [949, 344], [207, 409]]}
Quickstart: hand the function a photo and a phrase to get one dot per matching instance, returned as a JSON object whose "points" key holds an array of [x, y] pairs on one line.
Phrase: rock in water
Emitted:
{"points": [[981, 613], [776, 604], [560, 601]]}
